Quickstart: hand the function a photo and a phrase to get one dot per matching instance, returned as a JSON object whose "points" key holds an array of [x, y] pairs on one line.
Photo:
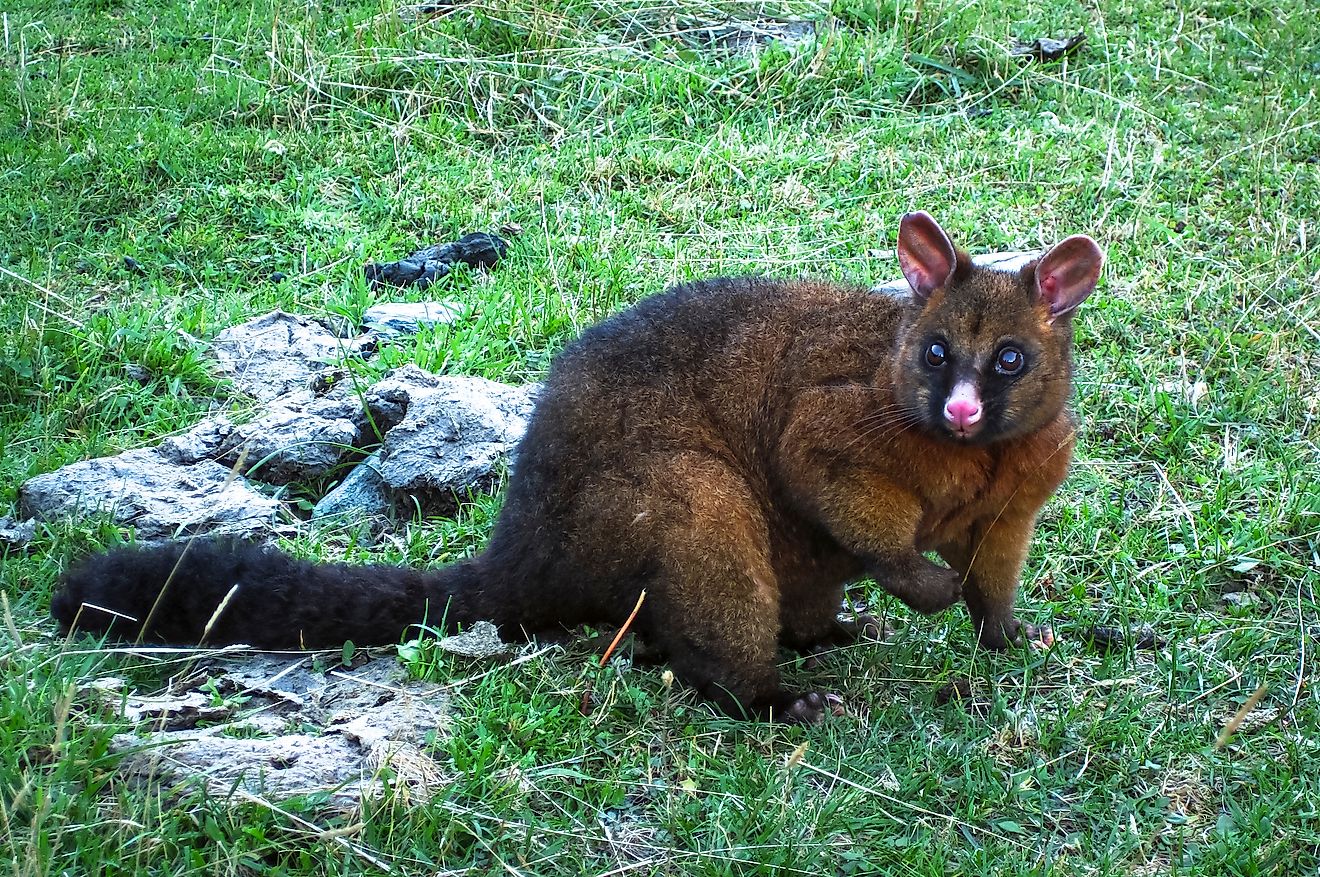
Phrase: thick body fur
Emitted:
{"points": [[740, 448]]}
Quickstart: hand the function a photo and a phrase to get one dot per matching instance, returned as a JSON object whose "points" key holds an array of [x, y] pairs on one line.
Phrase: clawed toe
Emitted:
{"points": [[1037, 638], [809, 708]]}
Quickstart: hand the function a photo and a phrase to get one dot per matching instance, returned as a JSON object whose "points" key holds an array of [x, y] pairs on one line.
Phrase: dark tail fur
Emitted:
{"points": [[170, 593]]}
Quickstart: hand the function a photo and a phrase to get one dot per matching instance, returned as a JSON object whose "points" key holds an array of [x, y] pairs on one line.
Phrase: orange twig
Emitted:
{"points": [[622, 630], [585, 706]]}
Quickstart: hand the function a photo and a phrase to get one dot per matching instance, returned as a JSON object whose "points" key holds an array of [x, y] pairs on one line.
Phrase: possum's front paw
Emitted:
{"points": [[1011, 632], [810, 708], [1035, 637], [935, 590]]}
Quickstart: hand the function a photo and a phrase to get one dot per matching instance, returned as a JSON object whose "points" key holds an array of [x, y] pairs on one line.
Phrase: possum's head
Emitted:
{"points": [[986, 355]]}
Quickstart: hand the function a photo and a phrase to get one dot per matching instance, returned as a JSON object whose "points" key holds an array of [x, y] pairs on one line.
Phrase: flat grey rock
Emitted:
{"points": [[402, 318], [1007, 261], [362, 494], [453, 439], [16, 534], [328, 734], [480, 641], [159, 498], [278, 353], [291, 765], [295, 439]]}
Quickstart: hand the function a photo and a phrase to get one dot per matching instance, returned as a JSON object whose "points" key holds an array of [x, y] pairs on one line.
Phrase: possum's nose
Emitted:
{"points": [[962, 410]]}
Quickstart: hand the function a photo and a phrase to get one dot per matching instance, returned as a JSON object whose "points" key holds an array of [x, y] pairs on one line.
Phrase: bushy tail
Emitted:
{"points": [[220, 592]]}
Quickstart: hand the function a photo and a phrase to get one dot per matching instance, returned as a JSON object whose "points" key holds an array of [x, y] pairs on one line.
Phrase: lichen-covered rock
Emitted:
{"points": [[300, 436], [406, 317], [15, 534], [202, 442], [444, 435], [366, 719], [1006, 261], [158, 497], [292, 765], [453, 439], [388, 399], [278, 353], [362, 494], [295, 439]]}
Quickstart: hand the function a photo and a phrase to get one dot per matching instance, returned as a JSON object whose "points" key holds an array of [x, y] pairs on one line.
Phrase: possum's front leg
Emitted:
{"points": [[989, 562]]}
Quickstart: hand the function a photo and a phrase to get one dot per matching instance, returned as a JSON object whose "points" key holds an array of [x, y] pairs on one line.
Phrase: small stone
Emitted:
{"points": [[954, 689], [393, 318], [481, 640], [15, 534], [362, 494], [139, 373], [1105, 639], [1241, 599]]}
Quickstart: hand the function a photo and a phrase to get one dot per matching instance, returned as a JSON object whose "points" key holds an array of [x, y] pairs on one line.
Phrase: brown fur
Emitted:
{"points": [[743, 449]]}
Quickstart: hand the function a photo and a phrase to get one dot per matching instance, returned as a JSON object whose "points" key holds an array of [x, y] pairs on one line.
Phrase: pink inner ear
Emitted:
{"points": [[1067, 274], [924, 253]]}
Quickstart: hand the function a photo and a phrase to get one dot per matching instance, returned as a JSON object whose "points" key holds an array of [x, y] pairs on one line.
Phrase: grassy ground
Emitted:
{"points": [[217, 143]]}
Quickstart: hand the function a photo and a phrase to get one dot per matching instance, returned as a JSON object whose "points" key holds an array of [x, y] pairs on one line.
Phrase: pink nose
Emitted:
{"points": [[962, 413]]}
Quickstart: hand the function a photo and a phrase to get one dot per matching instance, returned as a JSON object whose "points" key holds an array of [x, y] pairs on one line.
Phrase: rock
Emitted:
{"points": [[476, 249], [1241, 599], [388, 399], [1048, 48], [443, 435], [1007, 261], [202, 442], [746, 37], [278, 353], [452, 439], [139, 373], [363, 493], [480, 641], [15, 534], [403, 318], [292, 765], [296, 439], [300, 436], [165, 712], [360, 720], [159, 498]]}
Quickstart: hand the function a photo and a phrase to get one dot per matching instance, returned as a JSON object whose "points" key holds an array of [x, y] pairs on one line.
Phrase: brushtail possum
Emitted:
{"points": [[741, 449]]}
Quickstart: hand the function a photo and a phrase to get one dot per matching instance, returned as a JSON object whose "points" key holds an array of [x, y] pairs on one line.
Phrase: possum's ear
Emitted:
{"points": [[1067, 274], [925, 253]]}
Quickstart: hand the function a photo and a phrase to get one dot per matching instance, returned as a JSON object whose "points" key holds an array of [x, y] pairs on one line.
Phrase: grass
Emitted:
{"points": [[217, 143]]}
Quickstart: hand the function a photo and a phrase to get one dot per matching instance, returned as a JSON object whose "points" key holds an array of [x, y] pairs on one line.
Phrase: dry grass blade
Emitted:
{"points": [[1231, 726]]}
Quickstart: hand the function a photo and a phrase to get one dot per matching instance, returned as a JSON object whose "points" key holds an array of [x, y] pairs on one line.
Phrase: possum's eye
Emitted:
{"points": [[1009, 361], [935, 355]]}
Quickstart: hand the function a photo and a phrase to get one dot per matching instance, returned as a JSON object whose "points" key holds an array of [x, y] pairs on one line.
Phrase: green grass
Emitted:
{"points": [[216, 143]]}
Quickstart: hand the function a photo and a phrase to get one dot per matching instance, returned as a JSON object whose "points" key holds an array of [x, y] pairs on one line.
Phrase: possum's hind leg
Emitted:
{"points": [[714, 602]]}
